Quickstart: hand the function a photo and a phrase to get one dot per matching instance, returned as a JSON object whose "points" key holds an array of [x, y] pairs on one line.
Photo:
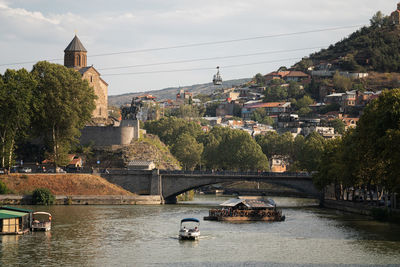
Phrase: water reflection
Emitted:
{"points": [[148, 235]]}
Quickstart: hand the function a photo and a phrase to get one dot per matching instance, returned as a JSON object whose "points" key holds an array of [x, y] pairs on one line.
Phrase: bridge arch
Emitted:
{"points": [[177, 182], [169, 184]]}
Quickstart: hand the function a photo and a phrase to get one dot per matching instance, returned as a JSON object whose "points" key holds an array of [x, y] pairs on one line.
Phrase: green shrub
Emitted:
{"points": [[3, 188], [43, 196]]}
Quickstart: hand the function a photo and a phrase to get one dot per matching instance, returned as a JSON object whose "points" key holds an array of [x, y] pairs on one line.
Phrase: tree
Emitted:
{"points": [[338, 125], [259, 79], [341, 83], [329, 167], [187, 151], [377, 20], [233, 150], [295, 90], [188, 112], [16, 105], [275, 93], [65, 105], [302, 105], [378, 136], [311, 153], [260, 115], [170, 128], [274, 144]]}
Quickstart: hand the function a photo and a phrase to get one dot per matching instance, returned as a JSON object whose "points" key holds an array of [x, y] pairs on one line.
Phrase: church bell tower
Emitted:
{"points": [[75, 54]]}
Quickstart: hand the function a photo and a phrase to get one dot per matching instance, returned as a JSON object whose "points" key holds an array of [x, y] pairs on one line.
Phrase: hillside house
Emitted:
{"points": [[271, 108], [182, 95], [348, 100], [288, 76], [227, 108], [278, 164], [326, 132], [335, 98]]}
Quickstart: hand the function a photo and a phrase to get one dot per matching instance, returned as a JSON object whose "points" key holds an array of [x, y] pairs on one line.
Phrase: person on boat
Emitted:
{"points": [[196, 229]]}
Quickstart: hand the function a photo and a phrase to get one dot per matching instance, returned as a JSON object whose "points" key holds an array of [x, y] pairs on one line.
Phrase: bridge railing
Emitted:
{"points": [[233, 173]]}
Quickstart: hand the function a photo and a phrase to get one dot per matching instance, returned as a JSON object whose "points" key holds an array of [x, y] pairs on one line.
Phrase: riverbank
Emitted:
{"points": [[71, 184], [380, 213], [86, 200]]}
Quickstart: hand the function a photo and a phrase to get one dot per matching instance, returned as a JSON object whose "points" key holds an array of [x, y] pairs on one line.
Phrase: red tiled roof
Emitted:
{"points": [[296, 74], [282, 74], [266, 105]]}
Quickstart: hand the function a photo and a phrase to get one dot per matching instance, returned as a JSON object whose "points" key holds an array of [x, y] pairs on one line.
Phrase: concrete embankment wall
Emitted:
{"points": [[348, 206], [86, 200], [354, 207]]}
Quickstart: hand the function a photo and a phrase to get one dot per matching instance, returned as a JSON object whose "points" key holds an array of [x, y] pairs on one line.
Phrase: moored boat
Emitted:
{"points": [[189, 229], [41, 221], [246, 209]]}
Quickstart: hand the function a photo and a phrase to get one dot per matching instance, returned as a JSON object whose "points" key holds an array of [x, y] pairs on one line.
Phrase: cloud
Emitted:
{"points": [[41, 29]]}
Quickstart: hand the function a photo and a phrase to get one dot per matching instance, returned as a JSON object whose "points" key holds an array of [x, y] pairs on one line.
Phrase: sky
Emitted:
{"points": [[123, 37]]}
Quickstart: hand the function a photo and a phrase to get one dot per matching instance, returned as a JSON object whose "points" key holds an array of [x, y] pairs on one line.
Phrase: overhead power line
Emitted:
{"points": [[200, 44], [197, 69], [210, 58], [228, 41]]}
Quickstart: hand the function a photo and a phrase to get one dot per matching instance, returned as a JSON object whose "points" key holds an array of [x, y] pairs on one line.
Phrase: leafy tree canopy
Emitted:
{"points": [[65, 104]]}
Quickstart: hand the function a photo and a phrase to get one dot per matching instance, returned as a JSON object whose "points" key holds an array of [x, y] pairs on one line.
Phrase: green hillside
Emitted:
{"points": [[373, 48]]}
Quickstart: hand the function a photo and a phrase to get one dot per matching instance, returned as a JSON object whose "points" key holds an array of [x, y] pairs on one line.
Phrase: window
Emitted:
{"points": [[91, 79], [10, 225], [78, 60]]}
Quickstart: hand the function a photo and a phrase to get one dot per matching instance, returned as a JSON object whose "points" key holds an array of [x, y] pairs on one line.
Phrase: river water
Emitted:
{"points": [[147, 236]]}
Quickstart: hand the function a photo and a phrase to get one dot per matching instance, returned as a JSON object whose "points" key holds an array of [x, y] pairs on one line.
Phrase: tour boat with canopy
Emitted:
{"points": [[246, 209], [189, 229], [41, 221]]}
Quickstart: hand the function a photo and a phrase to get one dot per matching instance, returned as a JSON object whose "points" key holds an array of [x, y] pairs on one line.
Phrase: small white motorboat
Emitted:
{"points": [[189, 229], [41, 221]]}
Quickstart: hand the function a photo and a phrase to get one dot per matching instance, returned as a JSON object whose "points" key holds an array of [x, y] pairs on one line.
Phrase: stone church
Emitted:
{"points": [[75, 57]]}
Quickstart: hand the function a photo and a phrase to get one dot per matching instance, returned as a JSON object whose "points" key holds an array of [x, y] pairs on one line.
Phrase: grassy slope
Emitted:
{"points": [[62, 184]]}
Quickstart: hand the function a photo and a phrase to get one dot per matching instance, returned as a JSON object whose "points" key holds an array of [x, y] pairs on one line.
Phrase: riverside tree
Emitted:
{"points": [[65, 104], [230, 149], [378, 133], [188, 151], [16, 105]]}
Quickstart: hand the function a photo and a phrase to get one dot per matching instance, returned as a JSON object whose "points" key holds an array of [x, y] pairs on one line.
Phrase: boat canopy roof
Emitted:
{"points": [[15, 209], [190, 220], [41, 213], [249, 202], [8, 214]]}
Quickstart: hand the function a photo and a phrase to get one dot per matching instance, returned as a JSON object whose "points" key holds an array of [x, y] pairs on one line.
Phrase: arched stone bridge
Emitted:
{"points": [[169, 184]]}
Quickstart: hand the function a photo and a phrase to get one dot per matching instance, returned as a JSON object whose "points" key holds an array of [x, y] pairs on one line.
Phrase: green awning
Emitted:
{"points": [[7, 214], [16, 209]]}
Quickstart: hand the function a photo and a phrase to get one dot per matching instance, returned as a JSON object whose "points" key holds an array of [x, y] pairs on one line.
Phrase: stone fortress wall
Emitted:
{"points": [[110, 135]]}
